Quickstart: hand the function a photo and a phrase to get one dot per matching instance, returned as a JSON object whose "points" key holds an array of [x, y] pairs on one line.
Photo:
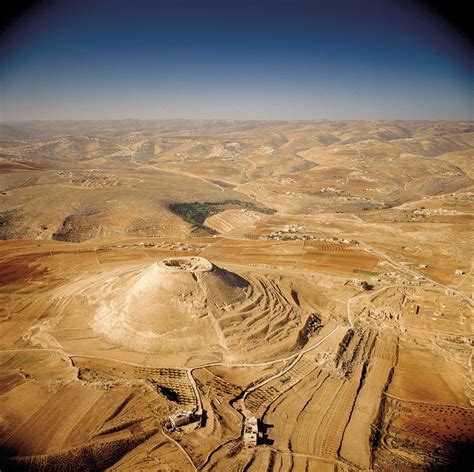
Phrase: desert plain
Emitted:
{"points": [[314, 276]]}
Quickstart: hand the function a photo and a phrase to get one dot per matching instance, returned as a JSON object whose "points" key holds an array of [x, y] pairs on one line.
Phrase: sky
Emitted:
{"points": [[234, 59]]}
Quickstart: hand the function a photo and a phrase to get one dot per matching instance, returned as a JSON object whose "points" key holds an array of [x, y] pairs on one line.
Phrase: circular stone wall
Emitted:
{"points": [[186, 264]]}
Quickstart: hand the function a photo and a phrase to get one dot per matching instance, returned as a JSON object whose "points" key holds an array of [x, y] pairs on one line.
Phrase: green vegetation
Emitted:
{"points": [[365, 272], [195, 213], [367, 286]]}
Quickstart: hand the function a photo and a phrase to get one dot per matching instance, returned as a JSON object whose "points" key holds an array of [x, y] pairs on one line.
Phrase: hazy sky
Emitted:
{"points": [[234, 59]]}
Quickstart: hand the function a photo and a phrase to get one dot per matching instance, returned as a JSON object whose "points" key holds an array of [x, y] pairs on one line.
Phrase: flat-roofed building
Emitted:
{"points": [[184, 418], [251, 431]]}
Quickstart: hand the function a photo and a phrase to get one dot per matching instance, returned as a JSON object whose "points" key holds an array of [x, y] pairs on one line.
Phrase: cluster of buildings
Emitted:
{"points": [[189, 420]]}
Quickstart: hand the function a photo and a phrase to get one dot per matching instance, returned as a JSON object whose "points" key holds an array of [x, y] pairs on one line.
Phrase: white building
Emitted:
{"points": [[459, 272], [251, 431], [184, 417]]}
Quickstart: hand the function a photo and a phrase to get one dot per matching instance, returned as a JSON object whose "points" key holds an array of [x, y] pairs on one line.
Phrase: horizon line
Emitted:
{"points": [[316, 120]]}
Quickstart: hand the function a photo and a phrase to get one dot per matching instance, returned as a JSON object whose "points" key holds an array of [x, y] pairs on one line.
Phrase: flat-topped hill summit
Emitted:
{"points": [[186, 264]]}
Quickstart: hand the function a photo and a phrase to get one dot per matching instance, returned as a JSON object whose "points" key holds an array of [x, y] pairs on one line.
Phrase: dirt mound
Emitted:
{"points": [[169, 306], [185, 308]]}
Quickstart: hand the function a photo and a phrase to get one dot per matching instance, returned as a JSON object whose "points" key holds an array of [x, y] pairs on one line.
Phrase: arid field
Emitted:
{"points": [[316, 276]]}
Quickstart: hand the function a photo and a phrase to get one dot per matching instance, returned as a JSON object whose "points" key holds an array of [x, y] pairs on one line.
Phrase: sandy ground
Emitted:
{"points": [[338, 320]]}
